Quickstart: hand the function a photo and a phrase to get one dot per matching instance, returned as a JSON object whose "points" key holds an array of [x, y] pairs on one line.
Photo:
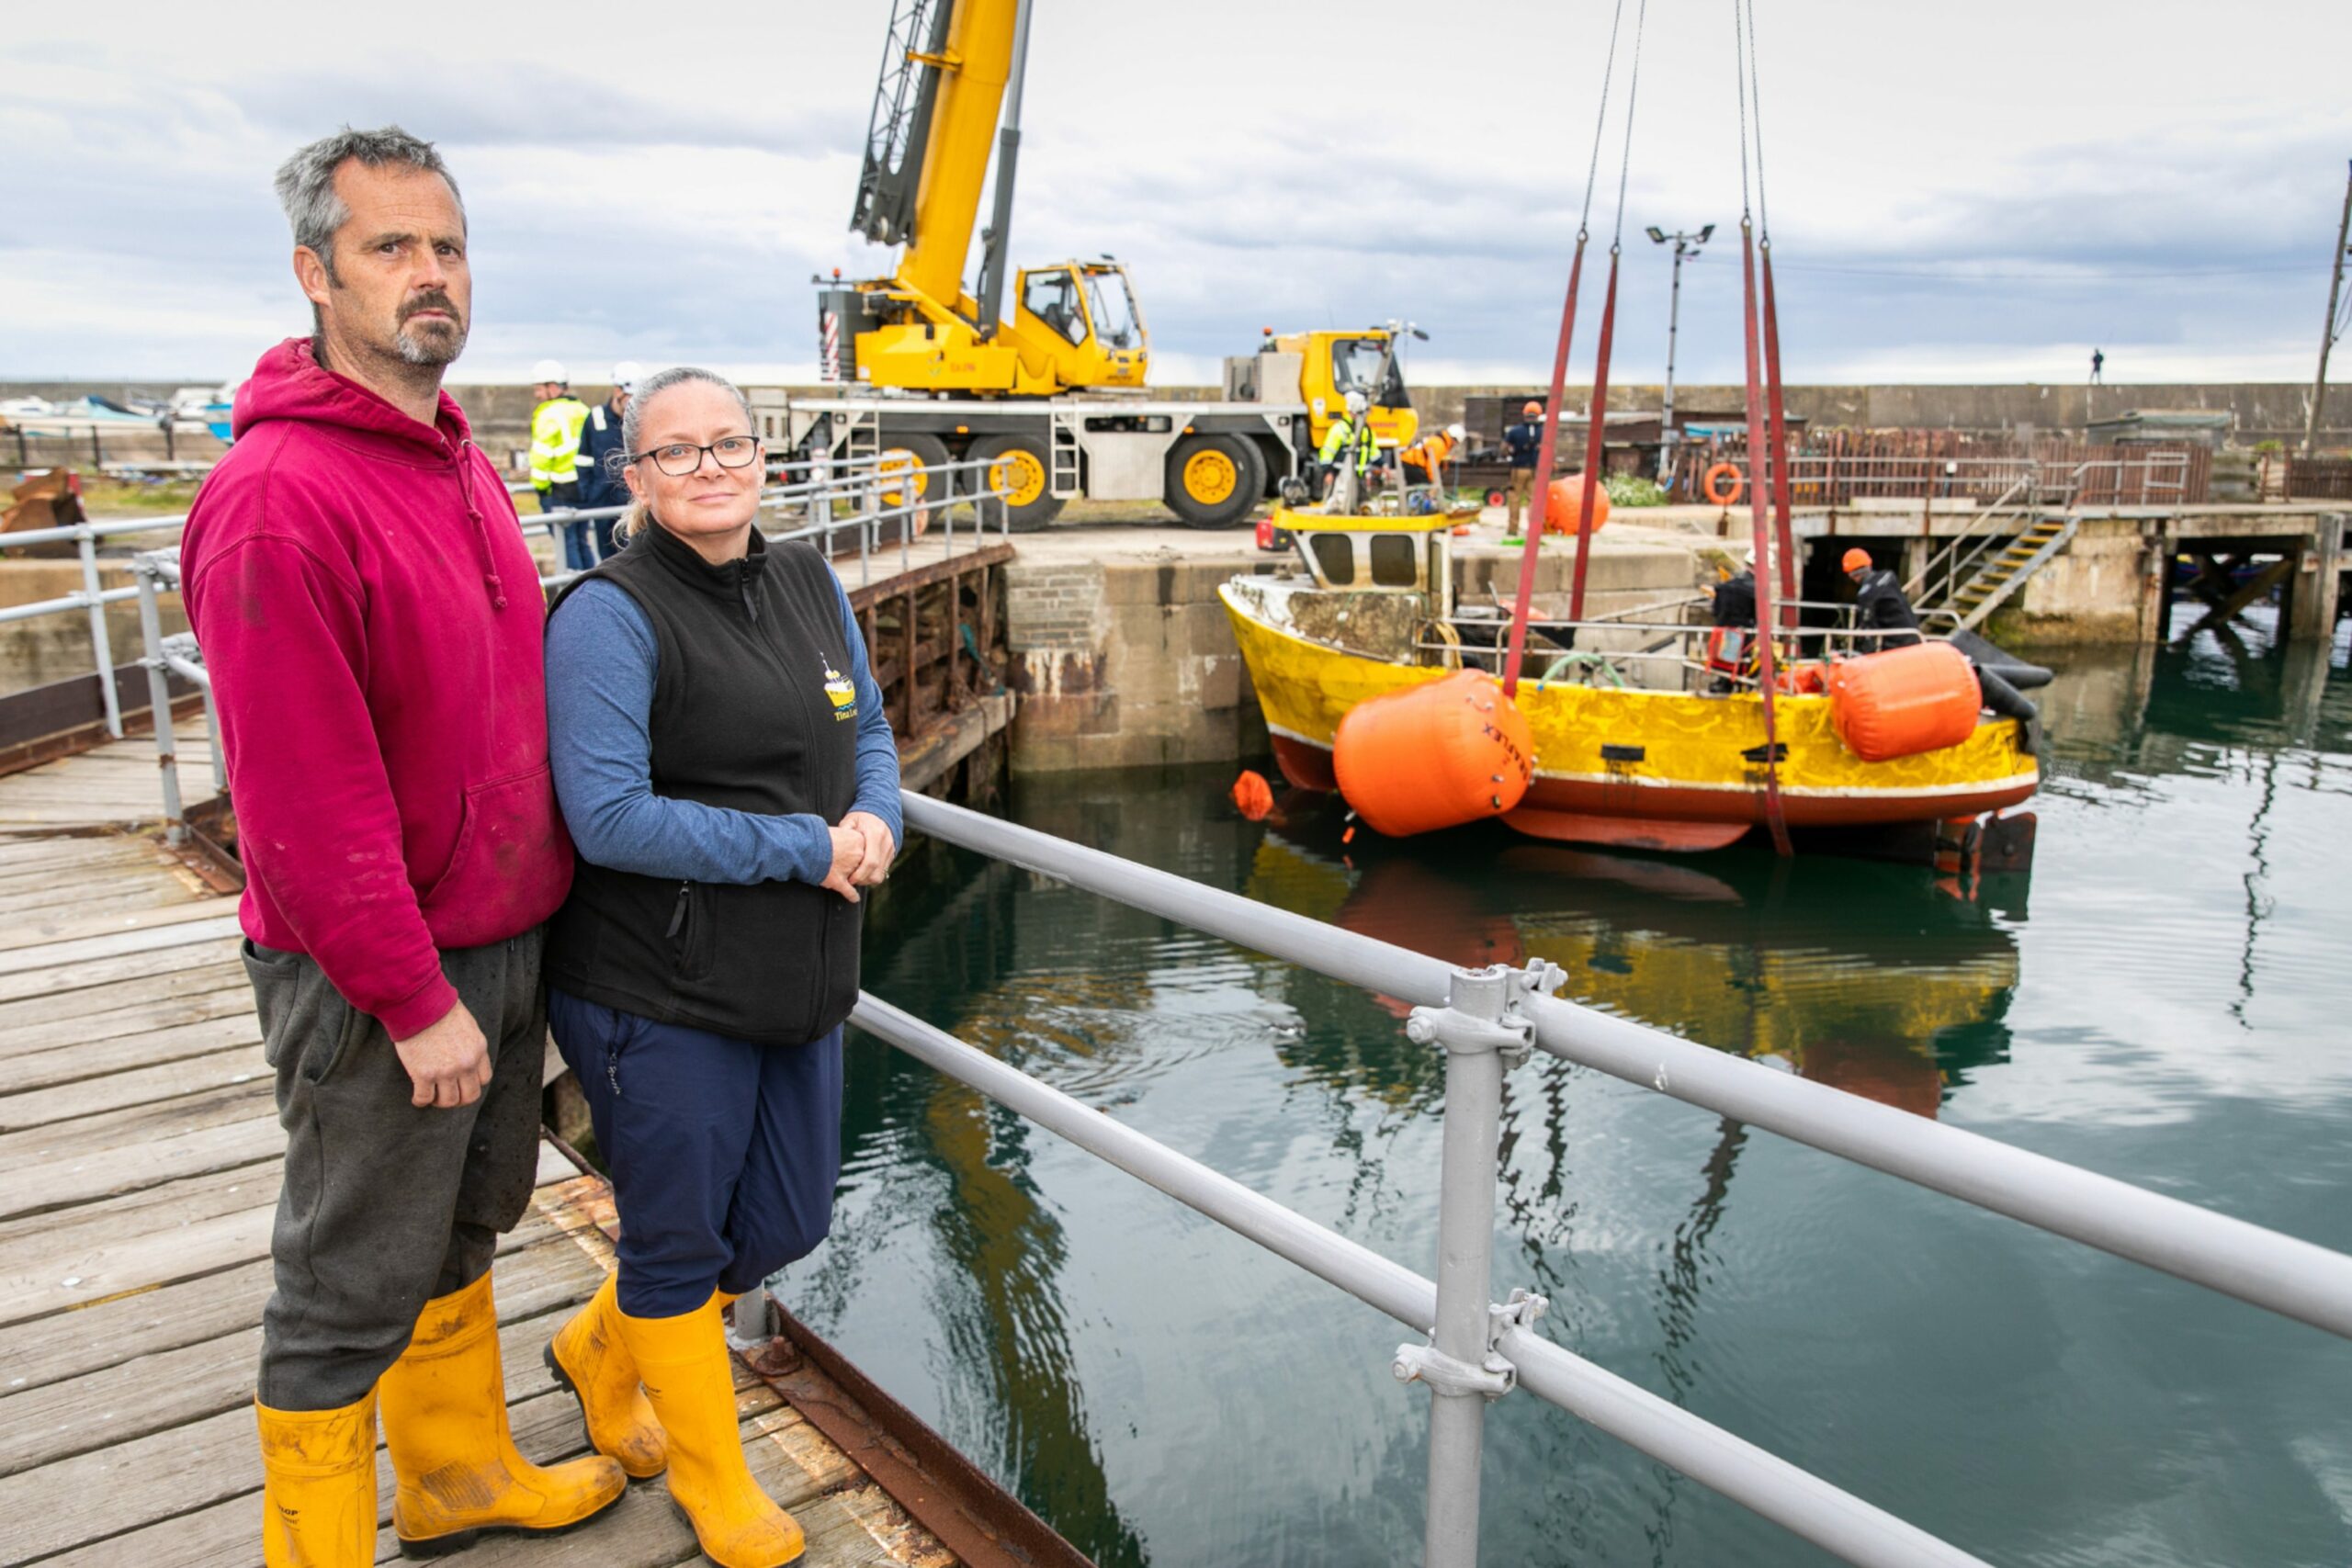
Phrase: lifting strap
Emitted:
{"points": [[1548, 448], [1775, 817], [1594, 454]]}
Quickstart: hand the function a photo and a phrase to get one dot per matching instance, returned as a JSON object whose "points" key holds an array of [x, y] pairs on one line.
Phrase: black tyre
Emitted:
{"points": [[911, 465], [1019, 471], [1215, 481]]}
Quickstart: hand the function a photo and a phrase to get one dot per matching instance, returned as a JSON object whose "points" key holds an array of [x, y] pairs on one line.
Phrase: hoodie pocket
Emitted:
{"points": [[509, 867]]}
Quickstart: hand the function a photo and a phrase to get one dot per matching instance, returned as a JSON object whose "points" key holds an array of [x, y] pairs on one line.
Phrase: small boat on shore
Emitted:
{"points": [[1642, 734]]}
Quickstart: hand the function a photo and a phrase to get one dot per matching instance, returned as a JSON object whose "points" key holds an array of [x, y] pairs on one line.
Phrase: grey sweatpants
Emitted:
{"points": [[385, 1205]]}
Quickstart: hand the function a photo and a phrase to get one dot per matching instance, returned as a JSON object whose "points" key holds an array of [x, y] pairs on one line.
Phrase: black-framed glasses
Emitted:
{"points": [[679, 458]]}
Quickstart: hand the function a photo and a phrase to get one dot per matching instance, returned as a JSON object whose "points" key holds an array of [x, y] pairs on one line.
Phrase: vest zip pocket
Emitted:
{"points": [[691, 932]]}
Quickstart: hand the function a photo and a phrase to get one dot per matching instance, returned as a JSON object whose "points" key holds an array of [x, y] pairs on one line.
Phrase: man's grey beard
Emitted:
{"points": [[433, 348]]}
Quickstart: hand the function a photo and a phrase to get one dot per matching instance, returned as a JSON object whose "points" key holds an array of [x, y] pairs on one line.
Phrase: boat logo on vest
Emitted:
{"points": [[839, 692]]}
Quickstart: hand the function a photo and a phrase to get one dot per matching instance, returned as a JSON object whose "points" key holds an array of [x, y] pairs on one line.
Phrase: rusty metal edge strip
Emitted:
{"points": [[980, 1521]]}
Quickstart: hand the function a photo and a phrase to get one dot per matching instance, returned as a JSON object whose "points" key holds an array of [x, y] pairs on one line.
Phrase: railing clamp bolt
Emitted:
{"points": [[1487, 1010], [1495, 1376]]}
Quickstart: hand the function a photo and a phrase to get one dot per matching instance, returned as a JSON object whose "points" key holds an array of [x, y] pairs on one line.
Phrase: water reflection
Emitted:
{"points": [[1162, 1394]]}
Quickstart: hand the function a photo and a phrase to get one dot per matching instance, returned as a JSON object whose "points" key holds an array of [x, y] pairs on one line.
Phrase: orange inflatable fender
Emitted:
{"points": [[1564, 512], [1436, 755], [1903, 701], [1712, 486]]}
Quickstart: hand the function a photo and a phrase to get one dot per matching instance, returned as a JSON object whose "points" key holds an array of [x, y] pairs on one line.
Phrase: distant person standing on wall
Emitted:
{"points": [[370, 616], [1523, 444], [2098, 364], [602, 448], [556, 419]]}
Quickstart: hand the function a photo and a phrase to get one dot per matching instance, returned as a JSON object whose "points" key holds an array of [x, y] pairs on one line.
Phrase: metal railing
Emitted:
{"points": [[875, 494], [1487, 1021], [1477, 1349], [834, 496]]}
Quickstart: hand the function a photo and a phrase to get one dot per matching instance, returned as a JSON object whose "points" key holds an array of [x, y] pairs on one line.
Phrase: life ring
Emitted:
{"points": [[1715, 493]]}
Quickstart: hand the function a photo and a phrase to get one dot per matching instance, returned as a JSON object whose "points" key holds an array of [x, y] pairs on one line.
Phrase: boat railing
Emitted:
{"points": [[1683, 644], [1469, 1350], [835, 499]]}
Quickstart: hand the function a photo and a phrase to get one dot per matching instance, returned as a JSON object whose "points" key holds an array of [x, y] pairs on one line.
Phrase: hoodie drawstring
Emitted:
{"points": [[481, 532]]}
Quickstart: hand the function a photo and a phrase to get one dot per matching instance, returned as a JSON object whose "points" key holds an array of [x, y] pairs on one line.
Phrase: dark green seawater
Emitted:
{"points": [[2166, 1000]]}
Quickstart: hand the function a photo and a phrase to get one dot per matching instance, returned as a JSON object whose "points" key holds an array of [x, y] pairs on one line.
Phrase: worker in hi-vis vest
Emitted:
{"points": [[555, 436], [1351, 429]]}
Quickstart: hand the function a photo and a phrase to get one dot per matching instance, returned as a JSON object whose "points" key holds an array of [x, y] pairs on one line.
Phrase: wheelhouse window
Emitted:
{"points": [[1335, 556], [1052, 298], [1394, 560]]}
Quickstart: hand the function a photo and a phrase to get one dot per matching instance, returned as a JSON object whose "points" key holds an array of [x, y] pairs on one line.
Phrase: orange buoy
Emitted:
{"points": [[1252, 796], [1903, 701], [1435, 755], [1565, 509], [1712, 486]]}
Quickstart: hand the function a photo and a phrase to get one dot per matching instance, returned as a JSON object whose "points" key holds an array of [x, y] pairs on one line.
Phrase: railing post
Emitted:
{"points": [[85, 542], [159, 695], [1483, 1031]]}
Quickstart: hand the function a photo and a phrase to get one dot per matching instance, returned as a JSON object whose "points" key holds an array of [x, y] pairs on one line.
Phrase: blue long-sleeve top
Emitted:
{"points": [[601, 660]]}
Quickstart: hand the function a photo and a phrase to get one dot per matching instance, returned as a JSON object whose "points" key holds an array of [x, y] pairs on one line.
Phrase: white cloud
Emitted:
{"points": [[1955, 197]]}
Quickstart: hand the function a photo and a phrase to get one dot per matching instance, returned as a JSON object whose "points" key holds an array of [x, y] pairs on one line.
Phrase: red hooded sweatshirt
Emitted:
{"points": [[371, 620]]}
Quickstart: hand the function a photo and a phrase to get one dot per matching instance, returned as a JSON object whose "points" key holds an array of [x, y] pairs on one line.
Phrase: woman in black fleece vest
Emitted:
{"points": [[730, 782]]}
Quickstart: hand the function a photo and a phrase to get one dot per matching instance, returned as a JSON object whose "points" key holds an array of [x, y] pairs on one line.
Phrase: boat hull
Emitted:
{"points": [[1610, 762]]}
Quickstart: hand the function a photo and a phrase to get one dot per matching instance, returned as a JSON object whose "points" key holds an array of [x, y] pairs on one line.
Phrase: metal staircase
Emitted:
{"points": [[1983, 593], [1980, 568]]}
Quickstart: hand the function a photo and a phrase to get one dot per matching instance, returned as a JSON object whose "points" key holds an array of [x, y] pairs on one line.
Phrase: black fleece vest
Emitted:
{"points": [[751, 711]]}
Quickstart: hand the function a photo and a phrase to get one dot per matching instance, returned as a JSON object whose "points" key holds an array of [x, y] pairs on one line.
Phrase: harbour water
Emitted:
{"points": [[2164, 1000]]}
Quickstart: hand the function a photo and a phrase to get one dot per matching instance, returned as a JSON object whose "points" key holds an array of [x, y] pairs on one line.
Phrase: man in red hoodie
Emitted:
{"points": [[371, 617]]}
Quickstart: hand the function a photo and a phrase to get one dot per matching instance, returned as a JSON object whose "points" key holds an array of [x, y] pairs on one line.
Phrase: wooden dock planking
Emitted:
{"points": [[139, 1175]]}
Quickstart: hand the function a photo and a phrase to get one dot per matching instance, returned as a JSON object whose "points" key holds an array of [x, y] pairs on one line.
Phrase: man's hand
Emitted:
{"points": [[849, 853], [880, 846], [448, 1062]]}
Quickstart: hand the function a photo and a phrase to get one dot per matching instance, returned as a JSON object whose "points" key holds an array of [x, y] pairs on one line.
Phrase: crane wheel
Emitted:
{"points": [[1017, 471], [907, 469], [1213, 481]]}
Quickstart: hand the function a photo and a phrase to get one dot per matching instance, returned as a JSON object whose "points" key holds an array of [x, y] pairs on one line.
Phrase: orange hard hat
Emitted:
{"points": [[1857, 560], [1532, 408]]}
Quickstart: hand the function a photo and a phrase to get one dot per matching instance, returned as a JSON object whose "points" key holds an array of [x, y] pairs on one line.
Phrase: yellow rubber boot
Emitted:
{"points": [[588, 1358], [453, 1454], [684, 1364], [318, 1485]]}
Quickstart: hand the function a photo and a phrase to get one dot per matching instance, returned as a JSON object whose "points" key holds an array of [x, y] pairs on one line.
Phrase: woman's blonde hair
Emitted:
{"points": [[633, 427]]}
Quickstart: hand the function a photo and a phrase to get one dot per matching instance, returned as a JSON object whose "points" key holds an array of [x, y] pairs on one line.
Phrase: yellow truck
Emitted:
{"points": [[1054, 392]]}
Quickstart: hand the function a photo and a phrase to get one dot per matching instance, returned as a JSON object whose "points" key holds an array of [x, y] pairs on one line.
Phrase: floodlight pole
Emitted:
{"points": [[1685, 244], [2327, 338]]}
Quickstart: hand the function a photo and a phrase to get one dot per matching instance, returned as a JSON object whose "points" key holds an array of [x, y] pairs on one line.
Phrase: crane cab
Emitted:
{"points": [[1333, 364], [1081, 317]]}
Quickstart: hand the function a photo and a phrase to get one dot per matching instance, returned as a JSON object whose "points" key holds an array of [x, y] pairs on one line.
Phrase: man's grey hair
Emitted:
{"points": [[306, 181], [633, 422]]}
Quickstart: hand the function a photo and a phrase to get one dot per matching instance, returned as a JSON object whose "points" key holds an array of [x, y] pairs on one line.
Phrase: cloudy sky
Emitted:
{"points": [[1958, 192]]}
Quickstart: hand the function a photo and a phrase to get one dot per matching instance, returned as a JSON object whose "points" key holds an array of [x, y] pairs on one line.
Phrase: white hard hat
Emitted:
{"points": [[626, 374], [1357, 404], [550, 370], [1454, 431]]}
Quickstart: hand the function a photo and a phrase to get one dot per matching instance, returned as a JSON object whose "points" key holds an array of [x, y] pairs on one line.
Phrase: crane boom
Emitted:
{"points": [[933, 126]]}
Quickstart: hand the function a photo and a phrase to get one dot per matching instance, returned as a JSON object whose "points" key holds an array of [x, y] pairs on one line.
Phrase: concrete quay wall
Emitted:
{"points": [[2259, 410], [1123, 655]]}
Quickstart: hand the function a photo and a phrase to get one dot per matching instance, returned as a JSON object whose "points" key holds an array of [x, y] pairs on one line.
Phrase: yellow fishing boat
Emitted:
{"points": [[1647, 746]]}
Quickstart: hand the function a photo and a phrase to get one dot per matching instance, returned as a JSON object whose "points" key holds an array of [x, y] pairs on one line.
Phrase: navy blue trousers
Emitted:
{"points": [[723, 1153]]}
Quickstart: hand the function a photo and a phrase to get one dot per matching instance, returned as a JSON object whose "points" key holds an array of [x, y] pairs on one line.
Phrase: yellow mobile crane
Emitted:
{"points": [[1053, 392]]}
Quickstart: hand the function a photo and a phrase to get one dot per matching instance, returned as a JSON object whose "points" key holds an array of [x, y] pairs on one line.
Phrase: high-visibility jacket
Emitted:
{"points": [[555, 441], [1344, 431], [1429, 452]]}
